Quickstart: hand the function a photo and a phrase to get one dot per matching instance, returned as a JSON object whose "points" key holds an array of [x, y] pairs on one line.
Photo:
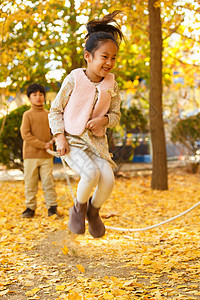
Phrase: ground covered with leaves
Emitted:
{"points": [[41, 259]]}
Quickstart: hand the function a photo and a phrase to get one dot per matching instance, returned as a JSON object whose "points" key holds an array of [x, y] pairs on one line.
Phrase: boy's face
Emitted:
{"points": [[37, 98]]}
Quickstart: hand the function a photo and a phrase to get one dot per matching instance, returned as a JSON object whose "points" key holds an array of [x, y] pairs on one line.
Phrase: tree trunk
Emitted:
{"points": [[72, 43], [159, 175]]}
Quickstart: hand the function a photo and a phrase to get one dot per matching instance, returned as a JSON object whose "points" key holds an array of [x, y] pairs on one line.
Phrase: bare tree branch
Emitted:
{"points": [[171, 31], [183, 62]]}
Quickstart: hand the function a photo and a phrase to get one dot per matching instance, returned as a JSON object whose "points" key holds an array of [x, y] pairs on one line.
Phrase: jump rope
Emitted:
{"points": [[56, 154]]}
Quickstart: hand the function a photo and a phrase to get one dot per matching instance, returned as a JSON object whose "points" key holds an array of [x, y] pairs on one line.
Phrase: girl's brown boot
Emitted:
{"points": [[96, 226], [77, 215]]}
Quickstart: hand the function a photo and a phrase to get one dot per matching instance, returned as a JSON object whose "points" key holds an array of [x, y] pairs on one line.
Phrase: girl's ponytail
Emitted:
{"points": [[100, 30]]}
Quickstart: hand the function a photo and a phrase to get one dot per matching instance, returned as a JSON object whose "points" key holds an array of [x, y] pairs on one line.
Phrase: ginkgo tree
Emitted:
{"points": [[160, 20], [38, 37], [174, 25]]}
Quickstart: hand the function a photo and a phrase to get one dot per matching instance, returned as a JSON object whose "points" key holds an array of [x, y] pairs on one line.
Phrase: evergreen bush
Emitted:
{"points": [[11, 140], [187, 133]]}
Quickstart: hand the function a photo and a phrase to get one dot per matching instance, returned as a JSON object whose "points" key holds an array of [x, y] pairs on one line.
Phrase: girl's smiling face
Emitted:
{"points": [[102, 61]]}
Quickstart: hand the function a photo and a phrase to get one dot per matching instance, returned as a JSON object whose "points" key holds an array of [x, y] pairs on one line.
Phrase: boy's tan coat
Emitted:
{"points": [[35, 132]]}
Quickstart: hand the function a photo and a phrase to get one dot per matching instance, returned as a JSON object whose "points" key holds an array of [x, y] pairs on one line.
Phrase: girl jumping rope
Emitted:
{"points": [[88, 103]]}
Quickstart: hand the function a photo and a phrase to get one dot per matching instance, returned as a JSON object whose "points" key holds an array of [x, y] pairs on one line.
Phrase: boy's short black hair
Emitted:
{"points": [[34, 87]]}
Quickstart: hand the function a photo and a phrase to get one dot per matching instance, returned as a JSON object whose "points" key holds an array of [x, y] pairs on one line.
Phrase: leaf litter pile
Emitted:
{"points": [[41, 259]]}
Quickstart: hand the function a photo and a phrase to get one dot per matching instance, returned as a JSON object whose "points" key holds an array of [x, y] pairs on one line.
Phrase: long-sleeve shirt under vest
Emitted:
{"points": [[35, 132], [98, 145]]}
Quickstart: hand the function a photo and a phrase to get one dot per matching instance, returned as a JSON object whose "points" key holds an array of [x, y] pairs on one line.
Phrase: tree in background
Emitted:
{"points": [[167, 18], [36, 39], [159, 174], [40, 38]]}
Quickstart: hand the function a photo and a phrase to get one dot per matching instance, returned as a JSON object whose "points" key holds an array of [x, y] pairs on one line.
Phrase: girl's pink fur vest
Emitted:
{"points": [[80, 107]]}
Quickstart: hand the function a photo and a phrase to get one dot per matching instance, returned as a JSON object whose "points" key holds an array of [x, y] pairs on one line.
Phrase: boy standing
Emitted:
{"points": [[36, 137]]}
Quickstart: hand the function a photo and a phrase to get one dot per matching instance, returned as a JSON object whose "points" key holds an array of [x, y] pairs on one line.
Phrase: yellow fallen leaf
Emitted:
{"points": [[29, 283], [130, 282], [114, 279], [94, 284], [4, 292], [107, 223], [16, 230], [74, 296], [194, 286], [32, 292], [30, 276], [168, 252], [108, 296], [89, 295], [60, 287], [181, 286], [81, 268], [3, 220], [146, 261], [65, 250]]}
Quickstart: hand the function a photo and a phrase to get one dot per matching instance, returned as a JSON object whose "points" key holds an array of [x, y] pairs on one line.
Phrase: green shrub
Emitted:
{"points": [[187, 133], [132, 119], [10, 139]]}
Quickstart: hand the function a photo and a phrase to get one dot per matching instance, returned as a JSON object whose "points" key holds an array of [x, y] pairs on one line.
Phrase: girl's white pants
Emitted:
{"points": [[95, 172]]}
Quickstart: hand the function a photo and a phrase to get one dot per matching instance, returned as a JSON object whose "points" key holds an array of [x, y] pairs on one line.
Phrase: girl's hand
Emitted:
{"points": [[61, 144], [53, 140], [48, 145], [97, 123]]}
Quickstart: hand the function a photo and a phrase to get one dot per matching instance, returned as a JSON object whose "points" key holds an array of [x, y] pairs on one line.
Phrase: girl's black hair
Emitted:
{"points": [[100, 30], [34, 87]]}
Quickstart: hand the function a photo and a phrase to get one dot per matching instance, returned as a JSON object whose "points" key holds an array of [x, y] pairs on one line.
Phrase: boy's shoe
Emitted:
{"points": [[28, 213], [52, 211]]}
